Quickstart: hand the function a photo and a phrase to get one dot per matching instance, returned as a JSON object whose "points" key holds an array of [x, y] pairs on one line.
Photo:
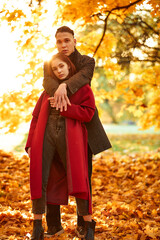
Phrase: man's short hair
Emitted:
{"points": [[64, 29]]}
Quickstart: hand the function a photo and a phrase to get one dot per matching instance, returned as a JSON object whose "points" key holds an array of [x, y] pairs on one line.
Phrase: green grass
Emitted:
{"points": [[123, 143], [134, 142], [21, 146]]}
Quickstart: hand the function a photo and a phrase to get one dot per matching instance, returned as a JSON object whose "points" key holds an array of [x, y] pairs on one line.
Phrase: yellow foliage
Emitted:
{"points": [[106, 48], [140, 96], [17, 108], [156, 7], [87, 10], [89, 42]]}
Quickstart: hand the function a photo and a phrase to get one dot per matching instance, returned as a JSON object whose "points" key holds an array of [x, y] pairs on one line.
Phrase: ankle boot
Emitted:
{"points": [[38, 231], [89, 230]]}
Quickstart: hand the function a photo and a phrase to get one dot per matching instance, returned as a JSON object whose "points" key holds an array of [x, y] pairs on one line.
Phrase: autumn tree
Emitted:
{"points": [[27, 21], [123, 36], [126, 45], [135, 50]]}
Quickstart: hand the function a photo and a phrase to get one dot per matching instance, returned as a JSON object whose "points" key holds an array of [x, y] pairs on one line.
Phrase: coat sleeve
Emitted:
{"points": [[83, 76], [78, 80], [34, 120], [83, 111]]}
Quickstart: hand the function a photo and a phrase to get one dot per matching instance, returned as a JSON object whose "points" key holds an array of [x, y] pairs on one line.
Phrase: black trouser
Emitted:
{"points": [[53, 211], [54, 141]]}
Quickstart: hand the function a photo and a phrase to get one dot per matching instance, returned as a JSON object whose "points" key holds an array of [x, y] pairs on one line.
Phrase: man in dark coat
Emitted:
{"points": [[97, 138]]}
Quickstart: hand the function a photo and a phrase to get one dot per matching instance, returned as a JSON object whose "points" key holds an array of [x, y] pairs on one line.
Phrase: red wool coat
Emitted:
{"points": [[75, 181]]}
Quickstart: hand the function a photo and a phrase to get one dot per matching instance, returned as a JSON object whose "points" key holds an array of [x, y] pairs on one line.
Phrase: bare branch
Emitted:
{"points": [[140, 44], [135, 59], [30, 4], [142, 21], [106, 19], [104, 31], [126, 6]]}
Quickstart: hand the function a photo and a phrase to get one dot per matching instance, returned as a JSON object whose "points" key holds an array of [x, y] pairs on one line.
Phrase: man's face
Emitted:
{"points": [[65, 43]]}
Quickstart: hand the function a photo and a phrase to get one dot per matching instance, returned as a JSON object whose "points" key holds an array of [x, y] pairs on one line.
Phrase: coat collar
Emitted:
{"points": [[75, 57]]}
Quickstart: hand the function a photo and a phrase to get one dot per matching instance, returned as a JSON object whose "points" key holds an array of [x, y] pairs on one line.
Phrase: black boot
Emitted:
{"points": [[89, 230], [38, 231]]}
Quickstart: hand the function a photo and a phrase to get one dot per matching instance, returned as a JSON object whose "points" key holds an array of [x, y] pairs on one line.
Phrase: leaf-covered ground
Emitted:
{"points": [[126, 198]]}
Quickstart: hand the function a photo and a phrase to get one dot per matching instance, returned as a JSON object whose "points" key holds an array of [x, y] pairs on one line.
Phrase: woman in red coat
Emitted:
{"points": [[57, 146]]}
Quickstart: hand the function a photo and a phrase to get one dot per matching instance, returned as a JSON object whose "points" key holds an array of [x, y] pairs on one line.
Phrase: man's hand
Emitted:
{"points": [[60, 99]]}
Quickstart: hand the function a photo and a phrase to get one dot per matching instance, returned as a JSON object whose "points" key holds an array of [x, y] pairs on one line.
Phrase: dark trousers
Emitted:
{"points": [[54, 142], [53, 216]]}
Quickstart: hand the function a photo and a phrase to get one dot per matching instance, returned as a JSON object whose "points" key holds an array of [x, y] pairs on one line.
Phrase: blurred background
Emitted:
{"points": [[122, 36]]}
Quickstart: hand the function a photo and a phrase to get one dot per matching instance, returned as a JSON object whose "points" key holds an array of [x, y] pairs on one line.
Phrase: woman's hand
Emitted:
{"points": [[60, 98], [29, 151]]}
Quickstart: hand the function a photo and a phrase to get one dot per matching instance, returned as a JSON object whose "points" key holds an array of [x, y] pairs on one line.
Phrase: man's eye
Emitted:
{"points": [[58, 42], [67, 40]]}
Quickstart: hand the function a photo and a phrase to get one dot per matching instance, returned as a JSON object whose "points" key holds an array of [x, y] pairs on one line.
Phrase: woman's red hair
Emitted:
{"points": [[64, 58]]}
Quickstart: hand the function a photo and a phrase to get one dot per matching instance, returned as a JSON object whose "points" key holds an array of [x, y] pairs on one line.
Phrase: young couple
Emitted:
{"points": [[64, 133]]}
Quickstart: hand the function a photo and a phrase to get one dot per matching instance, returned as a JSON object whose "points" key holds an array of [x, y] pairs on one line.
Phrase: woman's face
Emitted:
{"points": [[60, 68]]}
